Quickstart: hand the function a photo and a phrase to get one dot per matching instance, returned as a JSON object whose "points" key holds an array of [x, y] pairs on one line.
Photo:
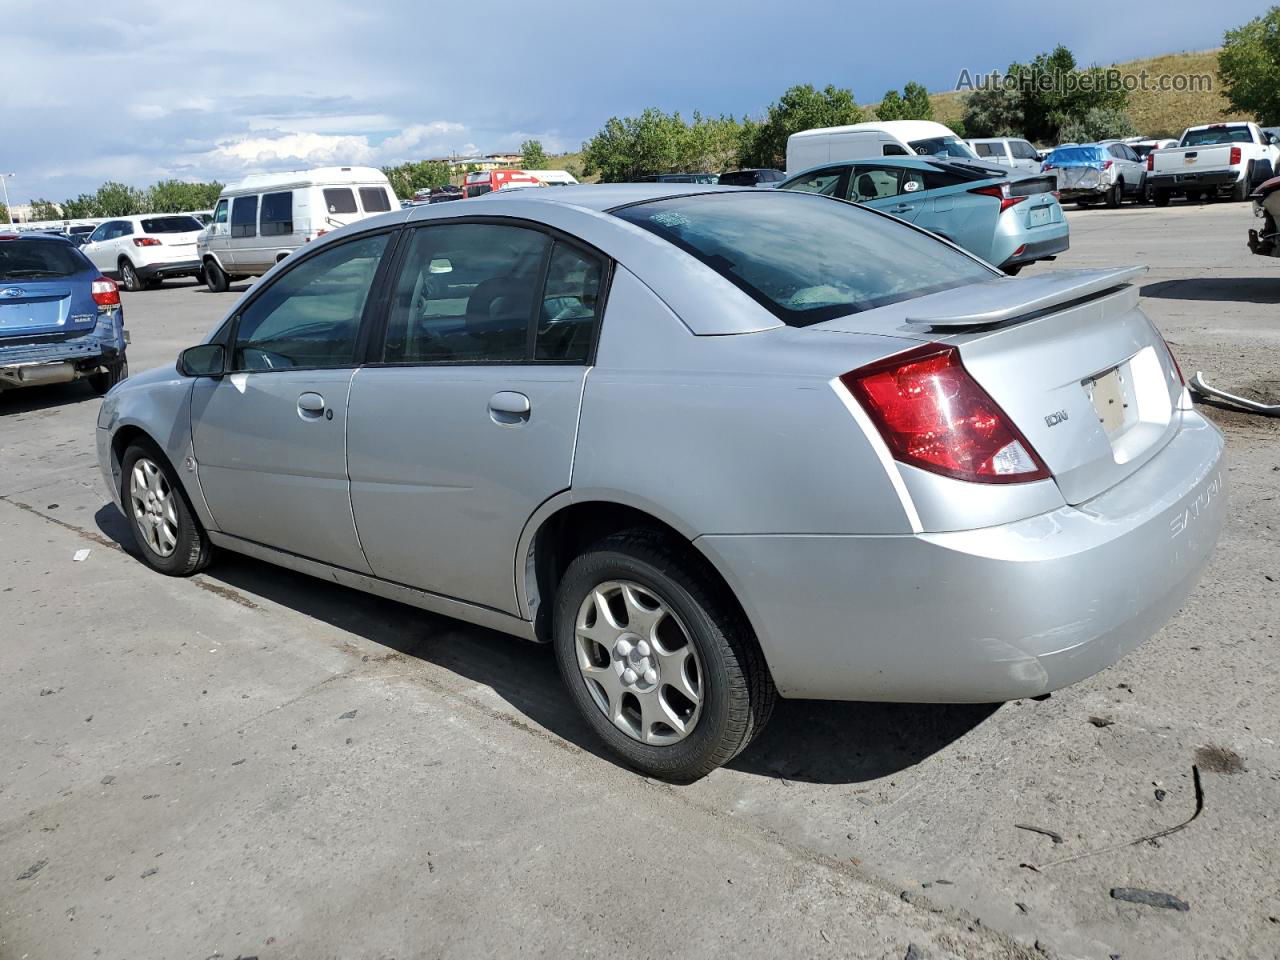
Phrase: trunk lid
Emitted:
{"points": [[1067, 355], [33, 307], [1178, 159]]}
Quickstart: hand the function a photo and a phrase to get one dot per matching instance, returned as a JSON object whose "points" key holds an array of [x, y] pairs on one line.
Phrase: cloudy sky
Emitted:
{"points": [[137, 90]]}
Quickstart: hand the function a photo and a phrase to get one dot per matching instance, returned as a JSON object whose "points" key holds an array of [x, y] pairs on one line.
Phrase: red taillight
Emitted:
{"points": [[999, 192], [1151, 160], [1046, 167], [1106, 164], [146, 242], [1235, 156], [105, 293], [933, 415]]}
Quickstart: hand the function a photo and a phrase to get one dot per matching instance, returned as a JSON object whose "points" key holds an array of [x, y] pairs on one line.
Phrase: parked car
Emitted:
{"points": [[1266, 205], [60, 318], [1211, 160], [489, 181], [707, 178], [265, 217], [79, 233], [1008, 152], [713, 445], [1008, 220], [1144, 147], [755, 177], [144, 251], [445, 193], [1107, 172], [879, 138]]}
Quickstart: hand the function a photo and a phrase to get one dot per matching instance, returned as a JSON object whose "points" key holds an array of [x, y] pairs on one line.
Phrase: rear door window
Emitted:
{"points": [[871, 182], [171, 225], [374, 200], [468, 293], [339, 200], [244, 217], [1023, 150], [803, 258], [277, 213], [569, 313]]}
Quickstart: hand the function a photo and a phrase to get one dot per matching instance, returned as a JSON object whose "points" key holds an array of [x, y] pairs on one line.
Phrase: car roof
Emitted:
{"points": [[31, 235], [902, 129], [606, 196]]}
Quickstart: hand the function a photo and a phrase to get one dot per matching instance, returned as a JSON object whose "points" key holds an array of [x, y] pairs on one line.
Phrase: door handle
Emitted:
{"points": [[311, 407], [901, 208], [508, 408]]}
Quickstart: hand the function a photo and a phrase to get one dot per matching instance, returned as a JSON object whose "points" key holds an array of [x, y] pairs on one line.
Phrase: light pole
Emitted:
{"points": [[4, 185]]}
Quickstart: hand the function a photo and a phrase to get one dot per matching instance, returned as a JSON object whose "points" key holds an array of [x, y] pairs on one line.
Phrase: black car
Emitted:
{"points": [[752, 177], [445, 193], [679, 178]]}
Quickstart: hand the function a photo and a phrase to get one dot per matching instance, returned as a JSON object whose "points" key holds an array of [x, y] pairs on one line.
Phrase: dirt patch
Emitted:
{"points": [[225, 592], [1213, 759]]}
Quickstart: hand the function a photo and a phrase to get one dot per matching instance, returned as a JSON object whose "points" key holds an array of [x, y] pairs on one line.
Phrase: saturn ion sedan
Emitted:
{"points": [[714, 445]]}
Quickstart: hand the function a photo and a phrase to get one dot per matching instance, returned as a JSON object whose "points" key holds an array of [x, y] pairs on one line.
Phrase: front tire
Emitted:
{"points": [[664, 668], [215, 279], [1115, 196], [169, 537]]}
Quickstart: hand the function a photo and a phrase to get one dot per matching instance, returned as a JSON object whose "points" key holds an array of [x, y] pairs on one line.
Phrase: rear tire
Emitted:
{"points": [[215, 279], [169, 537], [1160, 197], [1240, 192], [666, 584], [104, 380], [129, 278]]}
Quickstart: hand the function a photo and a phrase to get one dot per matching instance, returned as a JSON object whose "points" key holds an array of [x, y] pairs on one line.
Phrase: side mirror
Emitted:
{"points": [[205, 360]]}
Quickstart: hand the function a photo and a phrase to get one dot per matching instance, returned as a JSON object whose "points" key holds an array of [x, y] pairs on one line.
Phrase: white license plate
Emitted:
{"points": [[1038, 216]]}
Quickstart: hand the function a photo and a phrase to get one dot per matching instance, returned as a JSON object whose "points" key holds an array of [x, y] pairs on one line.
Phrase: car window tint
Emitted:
{"points": [[938, 178], [570, 306], [1023, 150], [984, 149], [310, 315], [804, 258], [374, 200], [825, 182], [24, 259], [244, 217], [124, 229], [870, 182], [339, 200], [895, 150], [277, 213], [220, 212], [100, 233], [466, 294]]}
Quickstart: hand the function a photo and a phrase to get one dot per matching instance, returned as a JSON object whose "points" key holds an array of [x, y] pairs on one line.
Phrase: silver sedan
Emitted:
{"points": [[714, 445]]}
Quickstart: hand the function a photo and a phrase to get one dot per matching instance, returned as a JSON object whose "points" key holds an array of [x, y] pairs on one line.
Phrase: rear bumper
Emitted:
{"points": [[1209, 179], [990, 614], [1039, 250], [106, 340], [178, 268]]}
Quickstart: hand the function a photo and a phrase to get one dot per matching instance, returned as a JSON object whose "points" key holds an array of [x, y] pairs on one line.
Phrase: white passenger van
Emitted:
{"points": [[878, 138], [263, 218]]}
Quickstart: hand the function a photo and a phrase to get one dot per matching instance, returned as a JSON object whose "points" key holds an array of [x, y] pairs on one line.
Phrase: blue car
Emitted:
{"points": [[1005, 218], [60, 319]]}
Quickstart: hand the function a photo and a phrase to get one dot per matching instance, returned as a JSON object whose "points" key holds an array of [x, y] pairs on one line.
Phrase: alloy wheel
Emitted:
{"points": [[639, 663], [154, 508]]}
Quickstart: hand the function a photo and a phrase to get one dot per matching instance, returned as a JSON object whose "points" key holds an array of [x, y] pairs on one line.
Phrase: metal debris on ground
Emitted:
{"points": [[1051, 834], [1253, 406]]}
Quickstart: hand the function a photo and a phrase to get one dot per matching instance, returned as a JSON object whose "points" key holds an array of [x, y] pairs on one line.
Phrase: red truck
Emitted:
{"points": [[478, 184]]}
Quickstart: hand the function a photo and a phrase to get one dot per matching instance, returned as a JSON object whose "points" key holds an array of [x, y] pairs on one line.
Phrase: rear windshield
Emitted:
{"points": [[804, 257], [39, 259], [171, 225], [1203, 138], [942, 147], [1066, 156]]}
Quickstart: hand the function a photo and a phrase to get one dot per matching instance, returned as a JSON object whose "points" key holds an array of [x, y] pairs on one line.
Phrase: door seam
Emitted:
{"points": [[346, 466]]}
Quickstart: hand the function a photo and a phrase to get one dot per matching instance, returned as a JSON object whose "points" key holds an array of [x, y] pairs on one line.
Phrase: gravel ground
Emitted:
{"points": [[253, 763]]}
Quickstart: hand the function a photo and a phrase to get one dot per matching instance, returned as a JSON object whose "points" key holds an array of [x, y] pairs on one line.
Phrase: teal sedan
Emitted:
{"points": [[1007, 219]]}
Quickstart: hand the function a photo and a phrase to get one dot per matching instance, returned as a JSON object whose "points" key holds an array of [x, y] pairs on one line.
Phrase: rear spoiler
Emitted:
{"points": [[1009, 298]]}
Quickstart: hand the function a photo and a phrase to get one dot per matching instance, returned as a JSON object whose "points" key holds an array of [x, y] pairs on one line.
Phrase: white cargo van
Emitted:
{"points": [[879, 138], [263, 218]]}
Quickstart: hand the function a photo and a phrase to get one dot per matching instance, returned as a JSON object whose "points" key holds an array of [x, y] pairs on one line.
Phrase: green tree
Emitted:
{"points": [[993, 112], [1053, 92], [82, 207], [1100, 123], [44, 210], [1249, 65], [119, 200], [632, 147], [4, 214], [532, 156], [891, 106], [916, 103], [801, 107], [177, 196], [408, 178]]}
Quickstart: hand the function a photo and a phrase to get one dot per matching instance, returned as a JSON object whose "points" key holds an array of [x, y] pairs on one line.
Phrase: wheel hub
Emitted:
{"points": [[637, 665]]}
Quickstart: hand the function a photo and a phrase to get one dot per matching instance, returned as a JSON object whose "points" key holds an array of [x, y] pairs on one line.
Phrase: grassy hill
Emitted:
{"points": [[1154, 113]]}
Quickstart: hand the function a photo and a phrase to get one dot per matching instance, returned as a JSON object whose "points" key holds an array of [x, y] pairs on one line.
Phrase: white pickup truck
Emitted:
{"points": [[1214, 158]]}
